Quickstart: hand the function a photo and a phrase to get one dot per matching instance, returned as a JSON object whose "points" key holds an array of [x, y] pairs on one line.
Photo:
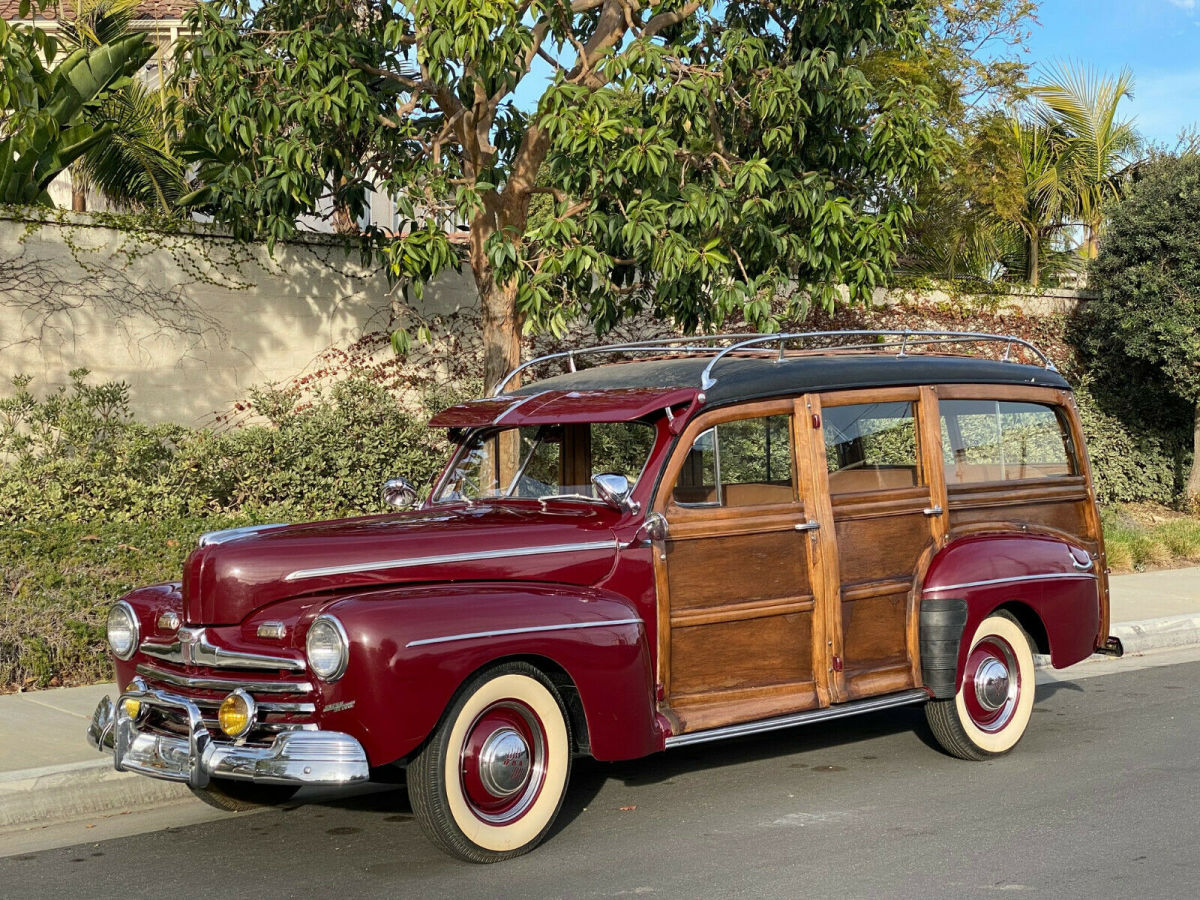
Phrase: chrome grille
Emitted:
{"points": [[285, 703]]}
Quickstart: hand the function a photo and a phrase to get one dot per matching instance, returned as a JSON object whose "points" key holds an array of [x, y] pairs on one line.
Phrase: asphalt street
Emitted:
{"points": [[1101, 798]]}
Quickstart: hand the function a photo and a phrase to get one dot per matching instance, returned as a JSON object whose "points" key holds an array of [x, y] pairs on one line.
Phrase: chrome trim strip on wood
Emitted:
{"points": [[225, 684], [531, 630], [1011, 580], [448, 559], [802, 718]]}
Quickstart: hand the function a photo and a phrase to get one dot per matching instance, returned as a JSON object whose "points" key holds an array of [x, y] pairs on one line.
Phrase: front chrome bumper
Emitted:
{"points": [[294, 757]]}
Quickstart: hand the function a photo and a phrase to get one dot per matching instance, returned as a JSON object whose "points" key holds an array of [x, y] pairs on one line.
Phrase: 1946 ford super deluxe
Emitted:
{"points": [[704, 539]]}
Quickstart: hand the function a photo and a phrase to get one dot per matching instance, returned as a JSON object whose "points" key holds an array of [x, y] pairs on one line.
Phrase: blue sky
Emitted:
{"points": [[1158, 39]]}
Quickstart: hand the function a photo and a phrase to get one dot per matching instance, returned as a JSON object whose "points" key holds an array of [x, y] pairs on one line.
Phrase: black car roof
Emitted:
{"points": [[759, 377]]}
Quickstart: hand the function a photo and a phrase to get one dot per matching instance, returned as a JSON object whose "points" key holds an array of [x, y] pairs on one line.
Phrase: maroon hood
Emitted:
{"points": [[569, 542]]}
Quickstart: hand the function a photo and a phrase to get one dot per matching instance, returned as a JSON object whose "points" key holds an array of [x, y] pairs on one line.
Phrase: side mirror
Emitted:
{"points": [[614, 490], [400, 493]]}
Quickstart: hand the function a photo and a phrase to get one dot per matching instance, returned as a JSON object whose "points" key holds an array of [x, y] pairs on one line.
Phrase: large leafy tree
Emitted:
{"points": [[583, 157], [1148, 279]]}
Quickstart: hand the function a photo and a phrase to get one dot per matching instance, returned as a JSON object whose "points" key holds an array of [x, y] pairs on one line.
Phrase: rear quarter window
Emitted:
{"points": [[1004, 440]]}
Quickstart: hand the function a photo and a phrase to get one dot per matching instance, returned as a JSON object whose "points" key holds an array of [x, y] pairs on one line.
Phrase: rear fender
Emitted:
{"points": [[413, 648], [1049, 584]]}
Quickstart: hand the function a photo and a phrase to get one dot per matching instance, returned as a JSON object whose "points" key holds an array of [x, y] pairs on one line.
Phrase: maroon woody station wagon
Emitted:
{"points": [[707, 538]]}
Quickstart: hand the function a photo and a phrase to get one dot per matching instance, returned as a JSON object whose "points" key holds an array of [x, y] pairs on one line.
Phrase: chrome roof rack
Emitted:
{"points": [[776, 345], [693, 345]]}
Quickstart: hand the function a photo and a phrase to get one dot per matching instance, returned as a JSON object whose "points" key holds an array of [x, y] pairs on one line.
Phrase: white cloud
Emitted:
{"points": [[1189, 5]]}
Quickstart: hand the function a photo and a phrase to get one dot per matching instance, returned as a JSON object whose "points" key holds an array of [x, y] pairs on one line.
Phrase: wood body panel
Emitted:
{"points": [[759, 619], [739, 599], [882, 535]]}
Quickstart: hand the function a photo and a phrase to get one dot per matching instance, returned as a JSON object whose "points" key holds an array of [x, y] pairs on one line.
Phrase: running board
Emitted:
{"points": [[802, 718]]}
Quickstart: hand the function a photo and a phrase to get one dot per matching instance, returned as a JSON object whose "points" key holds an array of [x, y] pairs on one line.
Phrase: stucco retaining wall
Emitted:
{"points": [[192, 322]]}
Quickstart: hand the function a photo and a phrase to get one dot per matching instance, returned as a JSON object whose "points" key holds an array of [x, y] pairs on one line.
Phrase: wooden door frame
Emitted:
{"points": [[930, 475], [725, 519]]}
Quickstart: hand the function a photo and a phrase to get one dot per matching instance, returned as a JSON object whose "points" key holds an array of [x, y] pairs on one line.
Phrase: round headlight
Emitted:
{"points": [[122, 630], [327, 648], [237, 714]]}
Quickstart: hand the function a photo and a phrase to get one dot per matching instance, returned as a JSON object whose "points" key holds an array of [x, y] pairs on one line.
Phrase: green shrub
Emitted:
{"points": [[58, 580], [78, 456], [1132, 460], [96, 503]]}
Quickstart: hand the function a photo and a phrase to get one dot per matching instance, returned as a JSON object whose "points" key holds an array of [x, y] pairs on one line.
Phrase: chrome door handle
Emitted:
{"points": [[932, 510], [810, 525], [1083, 567]]}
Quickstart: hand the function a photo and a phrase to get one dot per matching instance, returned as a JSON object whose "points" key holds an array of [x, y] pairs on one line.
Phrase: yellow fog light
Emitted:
{"points": [[237, 713], [129, 705]]}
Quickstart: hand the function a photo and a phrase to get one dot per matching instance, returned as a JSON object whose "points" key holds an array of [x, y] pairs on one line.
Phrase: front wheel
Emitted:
{"points": [[489, 782], [992, 708]]}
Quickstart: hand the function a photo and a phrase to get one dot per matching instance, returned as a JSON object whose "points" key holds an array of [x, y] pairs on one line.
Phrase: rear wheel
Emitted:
{"points": [[992, 708], [231, 795], [490, 781]]}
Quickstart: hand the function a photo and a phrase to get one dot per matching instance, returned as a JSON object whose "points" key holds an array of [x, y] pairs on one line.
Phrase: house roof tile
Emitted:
{"points": [[157, 10]]}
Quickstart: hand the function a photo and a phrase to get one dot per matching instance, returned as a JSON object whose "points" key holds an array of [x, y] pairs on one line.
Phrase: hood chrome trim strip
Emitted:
{"points": [[447, 558], [1014, 579], [530, 630]]}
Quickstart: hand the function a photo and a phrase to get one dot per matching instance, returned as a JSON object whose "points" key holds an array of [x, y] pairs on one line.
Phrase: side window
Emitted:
{"points": [[870, 447], [1000, 440], [742, 463]]}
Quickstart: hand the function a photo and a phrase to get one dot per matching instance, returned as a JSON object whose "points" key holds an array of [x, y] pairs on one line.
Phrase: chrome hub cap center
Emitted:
{"points": [[504, 763], [991, 684]]}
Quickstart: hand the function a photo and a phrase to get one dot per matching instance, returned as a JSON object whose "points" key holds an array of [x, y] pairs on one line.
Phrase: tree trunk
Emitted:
{"points": [[1193, 484], [1032, 274], [343, 219], [501, 329], [1091, 239], [78, 196]]}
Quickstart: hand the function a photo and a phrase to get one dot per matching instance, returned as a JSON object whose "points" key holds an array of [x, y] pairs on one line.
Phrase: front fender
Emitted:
{"points": [[413, 647], [1046, 581]]}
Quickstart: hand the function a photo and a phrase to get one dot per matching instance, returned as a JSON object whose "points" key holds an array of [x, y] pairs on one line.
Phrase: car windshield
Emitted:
{"points": [[538, 462]]}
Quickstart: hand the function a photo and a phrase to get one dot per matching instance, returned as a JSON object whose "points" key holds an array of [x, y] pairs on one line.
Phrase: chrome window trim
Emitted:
{"points": [[196, 650], [1014, 579], [447, 558], [504, 632], [213, 683]]}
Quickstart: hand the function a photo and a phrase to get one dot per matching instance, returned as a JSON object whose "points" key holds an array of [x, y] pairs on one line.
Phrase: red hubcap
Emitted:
{"points": [[992, 684], [503, 762]]}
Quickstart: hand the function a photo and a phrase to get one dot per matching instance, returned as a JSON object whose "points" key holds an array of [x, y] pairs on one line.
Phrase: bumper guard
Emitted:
{"points": [[294, 757]]}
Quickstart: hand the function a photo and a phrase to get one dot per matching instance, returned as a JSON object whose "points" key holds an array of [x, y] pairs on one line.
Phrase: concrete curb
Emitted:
{"points": [[1169, 633], [31, 797], [59, 793]]}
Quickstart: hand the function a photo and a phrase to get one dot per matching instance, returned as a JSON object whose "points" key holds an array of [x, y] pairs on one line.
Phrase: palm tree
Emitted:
{"points": [[138, 166], [1046, 187], [1099, 148]]}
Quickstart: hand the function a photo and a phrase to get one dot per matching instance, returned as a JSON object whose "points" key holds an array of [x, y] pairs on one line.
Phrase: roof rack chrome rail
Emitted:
{"points": [[762, 344], [902, 339], [692, 345]]}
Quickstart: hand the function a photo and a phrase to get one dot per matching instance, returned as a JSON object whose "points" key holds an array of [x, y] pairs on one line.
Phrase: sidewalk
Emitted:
{"points": [[49, 773]]}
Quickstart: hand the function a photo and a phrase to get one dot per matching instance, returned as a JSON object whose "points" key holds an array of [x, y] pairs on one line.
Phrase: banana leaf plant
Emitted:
{"points": [[42, 131]]}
